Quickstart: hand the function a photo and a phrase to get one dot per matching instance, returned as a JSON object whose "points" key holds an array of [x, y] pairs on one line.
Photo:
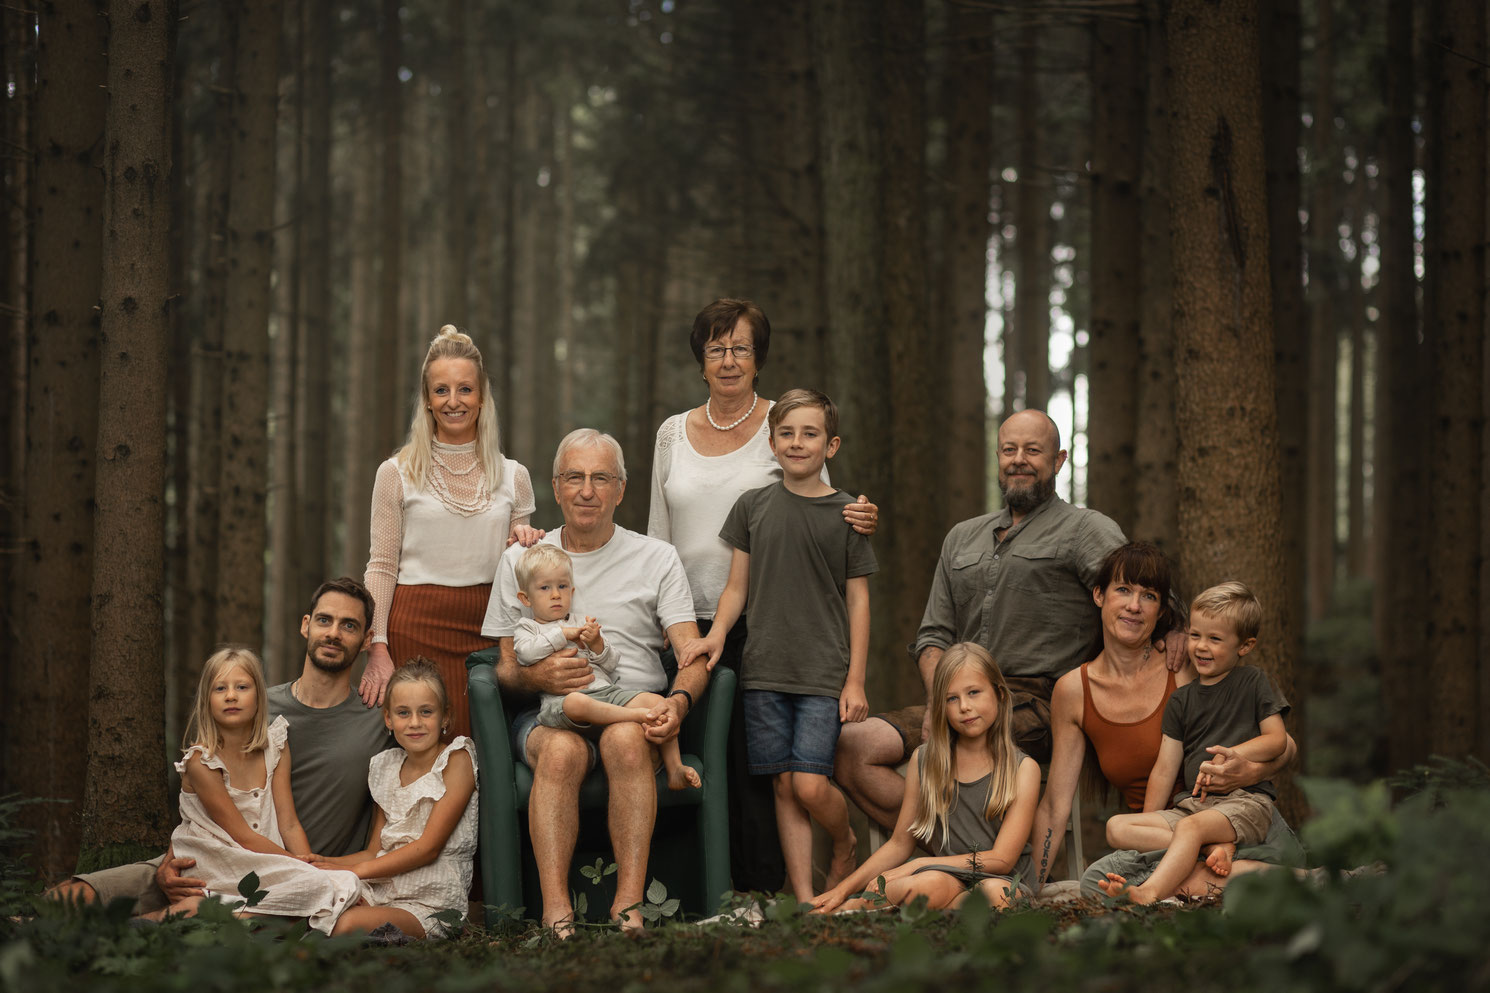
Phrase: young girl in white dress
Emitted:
{"points": [[418, 860], [237, 815], [970, 795]]}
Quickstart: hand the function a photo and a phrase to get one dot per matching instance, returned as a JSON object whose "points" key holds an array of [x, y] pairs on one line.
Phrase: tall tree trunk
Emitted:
{"points": [[17, 67], [1400, 457], [918, 452], [522, 253], [456, 96], [242, 523], [564, 302], [204, 437], [313, 354], [388, 417], [1356, 531], [783, 239], [1032, 225], [1156, 506], [360, 423], [1323, 340], [286, 333], [1116, 265], [125, 798], [1228, 467], [47, 743], [844, 34], [1455, 328], [1279, 28], [966, 96]]}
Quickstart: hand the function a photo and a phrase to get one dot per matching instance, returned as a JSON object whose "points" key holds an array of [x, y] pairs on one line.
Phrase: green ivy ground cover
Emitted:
{"points": [[1417, 921]]}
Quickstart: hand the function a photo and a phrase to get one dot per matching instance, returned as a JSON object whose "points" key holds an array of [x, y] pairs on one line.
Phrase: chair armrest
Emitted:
{"points": [[498, 827]]}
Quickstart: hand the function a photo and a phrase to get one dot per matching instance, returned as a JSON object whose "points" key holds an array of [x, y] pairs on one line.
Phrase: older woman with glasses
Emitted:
{"points": [[705, 458], [443, 509]]}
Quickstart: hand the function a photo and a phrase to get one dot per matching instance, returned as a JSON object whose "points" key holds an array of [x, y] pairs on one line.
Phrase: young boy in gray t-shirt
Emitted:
{"points": [[806, 576], [1227, 703]]}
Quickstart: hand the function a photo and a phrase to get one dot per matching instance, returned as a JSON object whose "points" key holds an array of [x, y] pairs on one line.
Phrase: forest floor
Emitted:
{"points": [[1420, 923]]}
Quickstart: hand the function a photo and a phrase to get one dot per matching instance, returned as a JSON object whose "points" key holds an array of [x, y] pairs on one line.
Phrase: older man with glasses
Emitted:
{"points": [[636, 587]]}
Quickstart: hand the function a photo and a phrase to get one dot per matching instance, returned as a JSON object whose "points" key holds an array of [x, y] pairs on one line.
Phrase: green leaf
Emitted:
{"points": [[656, 893]]}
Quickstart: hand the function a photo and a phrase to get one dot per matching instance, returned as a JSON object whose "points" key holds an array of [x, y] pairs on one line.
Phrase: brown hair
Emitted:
{"points": [[719, 319], [792, 399], [346, 586], [1142, 564]]}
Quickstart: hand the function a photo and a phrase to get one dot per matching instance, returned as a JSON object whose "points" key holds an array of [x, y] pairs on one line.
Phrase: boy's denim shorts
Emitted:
{"points": [[790, 732]]}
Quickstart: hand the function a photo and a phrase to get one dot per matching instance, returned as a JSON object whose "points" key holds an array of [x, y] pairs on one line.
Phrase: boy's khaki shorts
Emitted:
{"points": [[1248, 813], [135, 881]]}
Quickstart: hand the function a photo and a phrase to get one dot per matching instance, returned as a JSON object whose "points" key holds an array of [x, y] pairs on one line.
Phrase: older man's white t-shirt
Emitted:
{"points": [[633, 585]]}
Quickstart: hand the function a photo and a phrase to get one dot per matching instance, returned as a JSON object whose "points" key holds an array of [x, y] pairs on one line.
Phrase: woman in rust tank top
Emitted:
{"points": [[1116, 701]]}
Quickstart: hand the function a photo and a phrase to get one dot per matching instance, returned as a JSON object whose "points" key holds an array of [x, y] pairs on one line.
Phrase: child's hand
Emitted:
{"points": [[590, 634], [853, 705], [695, 647], [522, 534]]}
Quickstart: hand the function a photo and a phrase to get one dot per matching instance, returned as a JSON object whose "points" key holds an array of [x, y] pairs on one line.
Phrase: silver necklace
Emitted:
{"points": [[734, 424]]}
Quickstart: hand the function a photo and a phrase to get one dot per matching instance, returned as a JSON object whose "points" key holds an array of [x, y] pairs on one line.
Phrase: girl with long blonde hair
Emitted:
{"points": [[970, 797]]}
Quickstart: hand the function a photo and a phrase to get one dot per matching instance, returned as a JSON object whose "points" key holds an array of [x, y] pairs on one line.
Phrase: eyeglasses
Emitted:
{"points": [[576, 480], [716, 352]]}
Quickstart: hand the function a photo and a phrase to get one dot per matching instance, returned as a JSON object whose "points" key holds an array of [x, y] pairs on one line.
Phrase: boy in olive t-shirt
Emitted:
{"points": [[805, 573]]}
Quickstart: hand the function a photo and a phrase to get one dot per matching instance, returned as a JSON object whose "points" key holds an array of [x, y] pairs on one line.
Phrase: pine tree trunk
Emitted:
{"points": [[284, 345], [1455, 329], [1279, 28], [782, 239], [47, 744], [1156, 503], [1116, 265], [313, 355], [844, 34], [205, 434], [1032, 229], [918, 450], [1356, 534], [966, 90], [124, 804], [1228, 467], [1400, 458], [359, 443], [242, 522], [389, 409], [456, 96], [1323, 341]]}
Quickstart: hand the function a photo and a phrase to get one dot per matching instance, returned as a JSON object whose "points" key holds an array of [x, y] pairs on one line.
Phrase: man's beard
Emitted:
{"points": [[332, 668], [1026, 498]]}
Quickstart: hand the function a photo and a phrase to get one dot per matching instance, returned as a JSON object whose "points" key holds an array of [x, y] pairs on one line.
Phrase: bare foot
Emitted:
{"points": [[562, 927], [683, 777], [844, 862], [629, 921], [1219, 860], [1116, 886]]}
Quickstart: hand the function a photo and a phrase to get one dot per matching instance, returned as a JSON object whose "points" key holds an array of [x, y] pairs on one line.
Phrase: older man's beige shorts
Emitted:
{"points": [[1248, 813]]}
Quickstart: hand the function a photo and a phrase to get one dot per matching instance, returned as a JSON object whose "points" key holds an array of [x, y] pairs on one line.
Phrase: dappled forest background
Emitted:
{"points": [[1236, 248]]}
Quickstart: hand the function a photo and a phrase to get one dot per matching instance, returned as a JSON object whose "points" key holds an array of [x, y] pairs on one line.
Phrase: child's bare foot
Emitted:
{"points": [[683, 777], [1116, 886], [844, 862], [1219, 859]]}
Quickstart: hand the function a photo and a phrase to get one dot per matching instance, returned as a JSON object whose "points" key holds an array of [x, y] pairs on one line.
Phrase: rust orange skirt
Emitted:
{"points": [[442, 623]]}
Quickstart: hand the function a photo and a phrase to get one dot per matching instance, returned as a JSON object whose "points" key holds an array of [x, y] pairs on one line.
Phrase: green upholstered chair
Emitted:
{"points": [[690, 845]]}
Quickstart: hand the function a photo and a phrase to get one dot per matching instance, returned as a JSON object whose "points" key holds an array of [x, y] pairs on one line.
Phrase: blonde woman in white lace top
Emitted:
{"points": [[443, 509]]}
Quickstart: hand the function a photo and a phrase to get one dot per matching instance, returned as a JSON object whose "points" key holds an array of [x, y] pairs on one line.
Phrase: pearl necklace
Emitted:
{"points": [[733, 424]]}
